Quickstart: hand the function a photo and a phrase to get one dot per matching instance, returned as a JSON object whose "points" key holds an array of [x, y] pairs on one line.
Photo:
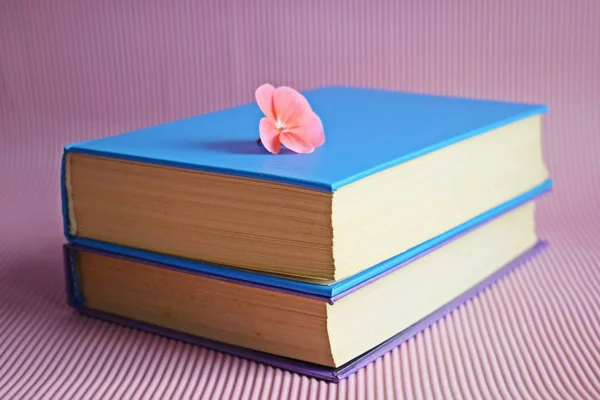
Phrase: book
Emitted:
{"points": [[396, 170], [318, 334]]}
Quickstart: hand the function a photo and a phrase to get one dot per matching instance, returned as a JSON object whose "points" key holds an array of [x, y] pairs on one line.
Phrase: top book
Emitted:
{"points": [[396, 170]]}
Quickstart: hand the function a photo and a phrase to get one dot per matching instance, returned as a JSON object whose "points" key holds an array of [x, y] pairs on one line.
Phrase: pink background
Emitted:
{"points": [[73, 70]]}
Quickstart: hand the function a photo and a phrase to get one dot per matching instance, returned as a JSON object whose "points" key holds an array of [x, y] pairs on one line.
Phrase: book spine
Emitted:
{"points": [[72, 286], [64, 195]]}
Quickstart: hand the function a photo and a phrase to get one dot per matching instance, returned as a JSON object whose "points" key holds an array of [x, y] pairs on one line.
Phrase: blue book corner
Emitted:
{"points": [[366, 130]]}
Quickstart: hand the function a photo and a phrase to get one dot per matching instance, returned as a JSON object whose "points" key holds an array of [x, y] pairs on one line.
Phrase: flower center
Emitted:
{"points": [[279, 125]]}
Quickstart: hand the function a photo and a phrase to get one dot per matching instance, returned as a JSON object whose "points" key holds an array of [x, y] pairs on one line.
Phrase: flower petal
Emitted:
{"points": [[264, 98], [296, 143], [269, 136], [311, 131], [290, 107]]}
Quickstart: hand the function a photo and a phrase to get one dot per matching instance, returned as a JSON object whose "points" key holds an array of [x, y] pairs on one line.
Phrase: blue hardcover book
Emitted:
{"points": [[321, 187]]}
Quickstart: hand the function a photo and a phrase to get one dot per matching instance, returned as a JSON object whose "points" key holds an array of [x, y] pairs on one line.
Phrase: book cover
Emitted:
{"points": [[367, 130]]}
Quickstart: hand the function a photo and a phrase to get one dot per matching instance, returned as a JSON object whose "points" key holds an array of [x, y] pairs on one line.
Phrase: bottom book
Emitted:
{"points": [[326, 337]]}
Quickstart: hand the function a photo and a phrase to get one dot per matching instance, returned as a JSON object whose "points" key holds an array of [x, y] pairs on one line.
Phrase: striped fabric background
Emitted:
{"points": [[72, 70]]}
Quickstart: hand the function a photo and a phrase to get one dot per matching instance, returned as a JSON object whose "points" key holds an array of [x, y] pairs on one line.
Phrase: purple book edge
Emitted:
{"points": [[303, 368]]}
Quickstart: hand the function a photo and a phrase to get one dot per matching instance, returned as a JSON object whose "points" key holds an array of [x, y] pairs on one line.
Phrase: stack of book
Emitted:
{"points": [[317, 263]]}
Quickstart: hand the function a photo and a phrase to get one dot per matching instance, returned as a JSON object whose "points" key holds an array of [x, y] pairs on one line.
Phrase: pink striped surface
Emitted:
{"points": [[73, 70]]}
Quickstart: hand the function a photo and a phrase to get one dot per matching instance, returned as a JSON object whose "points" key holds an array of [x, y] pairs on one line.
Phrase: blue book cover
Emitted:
{"points": [[367, 130]]}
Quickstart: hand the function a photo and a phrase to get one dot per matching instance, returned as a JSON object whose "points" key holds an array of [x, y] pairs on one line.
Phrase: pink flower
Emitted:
{"points": [[289, 120]]}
